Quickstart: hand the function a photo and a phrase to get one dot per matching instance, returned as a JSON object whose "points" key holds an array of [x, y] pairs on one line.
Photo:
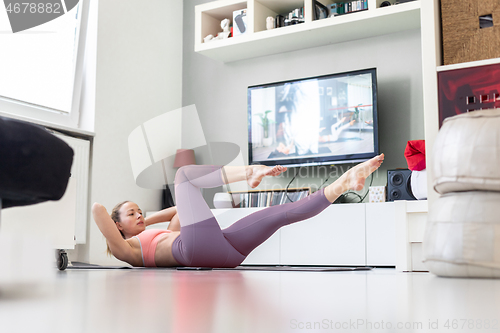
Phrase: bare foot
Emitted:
{"points": [[354, 179], [255, 173], [352, 122]]}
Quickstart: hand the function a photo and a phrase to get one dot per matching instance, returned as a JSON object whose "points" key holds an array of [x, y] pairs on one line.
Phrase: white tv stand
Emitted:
{"points": [[373, 234]]}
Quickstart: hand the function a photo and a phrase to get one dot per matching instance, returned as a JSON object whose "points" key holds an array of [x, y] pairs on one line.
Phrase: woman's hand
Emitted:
{"points": [[164, 215], [120, 248], [97, 207]]}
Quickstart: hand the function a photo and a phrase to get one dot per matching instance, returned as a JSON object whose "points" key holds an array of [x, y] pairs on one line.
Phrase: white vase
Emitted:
{"points": [[267, 142]]}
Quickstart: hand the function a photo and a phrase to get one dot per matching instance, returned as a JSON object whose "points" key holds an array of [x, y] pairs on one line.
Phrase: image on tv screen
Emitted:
{"points": [[318, 119]]}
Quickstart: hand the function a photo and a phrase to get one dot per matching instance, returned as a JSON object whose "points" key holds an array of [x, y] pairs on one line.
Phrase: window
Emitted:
{"points": [[41, 68]]}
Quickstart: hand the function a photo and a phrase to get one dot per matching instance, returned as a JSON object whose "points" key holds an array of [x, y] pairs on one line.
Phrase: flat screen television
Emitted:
{"points": [[329, 119]]}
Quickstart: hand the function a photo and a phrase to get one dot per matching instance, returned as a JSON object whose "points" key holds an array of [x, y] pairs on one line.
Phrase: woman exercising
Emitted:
{"points": [[195, 238]]}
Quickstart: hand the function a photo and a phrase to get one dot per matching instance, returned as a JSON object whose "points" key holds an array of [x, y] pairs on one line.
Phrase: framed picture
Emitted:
{"points": [[468, 89]]}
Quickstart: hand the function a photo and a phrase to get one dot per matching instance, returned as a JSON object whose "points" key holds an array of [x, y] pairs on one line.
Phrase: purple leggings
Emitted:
{"points": [[202, 243]]}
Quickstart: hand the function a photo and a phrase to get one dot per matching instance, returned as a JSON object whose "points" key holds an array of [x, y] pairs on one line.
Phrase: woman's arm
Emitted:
{"points": [[120, 248], [175, 224], [165, 215]]}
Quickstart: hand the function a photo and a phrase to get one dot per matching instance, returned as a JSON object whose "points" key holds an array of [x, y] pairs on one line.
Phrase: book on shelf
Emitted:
{"points": [[267, 198], [346, 7]]}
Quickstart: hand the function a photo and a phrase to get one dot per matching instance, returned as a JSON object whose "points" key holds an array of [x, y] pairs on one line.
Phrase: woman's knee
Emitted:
{"points": [[180, 175]]}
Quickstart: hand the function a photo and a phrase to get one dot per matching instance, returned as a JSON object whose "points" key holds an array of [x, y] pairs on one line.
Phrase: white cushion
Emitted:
{"points": [[462, 236], [467, 153]]}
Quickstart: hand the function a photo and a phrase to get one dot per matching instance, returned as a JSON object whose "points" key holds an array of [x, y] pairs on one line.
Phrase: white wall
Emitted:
{"points": [[87, 98], [139, 76]]}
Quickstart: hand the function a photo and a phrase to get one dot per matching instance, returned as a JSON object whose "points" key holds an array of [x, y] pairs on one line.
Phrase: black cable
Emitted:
{"points": [[361, 198], [356, 194], [371, 181], [343, 196], [286, 189], [340, 198], [319, 188]]}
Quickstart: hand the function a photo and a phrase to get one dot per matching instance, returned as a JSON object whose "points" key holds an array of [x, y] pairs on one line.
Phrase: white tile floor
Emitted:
{"points": [[144, 300]]}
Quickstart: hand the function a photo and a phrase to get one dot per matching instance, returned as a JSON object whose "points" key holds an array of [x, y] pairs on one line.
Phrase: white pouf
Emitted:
{"points": [[467, 153], [462, 238]]}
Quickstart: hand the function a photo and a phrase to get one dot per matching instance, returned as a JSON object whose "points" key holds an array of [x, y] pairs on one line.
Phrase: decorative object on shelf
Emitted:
{"points": [[377, 194], [461, 238], [463, 38], [208, 38], [226, 32], [224, 24], [296, 16], [468, 89], [280, 21], [269, 23], [223, 200], [320, 11], [385, 4], [239, 22]]}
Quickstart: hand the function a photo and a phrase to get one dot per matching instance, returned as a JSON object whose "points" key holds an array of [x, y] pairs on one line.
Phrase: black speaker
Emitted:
{"points": [[399, 185]]}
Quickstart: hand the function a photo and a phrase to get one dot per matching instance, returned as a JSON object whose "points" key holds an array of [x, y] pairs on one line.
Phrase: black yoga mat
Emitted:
{"points": [[80, 265], [296, 268]]}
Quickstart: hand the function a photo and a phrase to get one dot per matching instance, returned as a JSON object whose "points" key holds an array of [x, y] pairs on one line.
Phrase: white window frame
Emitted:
{"points": [[35, 113]]}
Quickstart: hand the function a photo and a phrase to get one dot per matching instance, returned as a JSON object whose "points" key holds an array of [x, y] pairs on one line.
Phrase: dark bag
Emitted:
{"points": [[34, 164]]}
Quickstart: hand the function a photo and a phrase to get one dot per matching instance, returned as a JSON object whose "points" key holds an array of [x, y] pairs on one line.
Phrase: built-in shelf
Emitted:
{"points": [[257, 42], [468, 64]]}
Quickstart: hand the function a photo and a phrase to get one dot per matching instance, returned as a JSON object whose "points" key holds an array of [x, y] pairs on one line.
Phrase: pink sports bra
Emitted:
{"points": [[148, 240]]}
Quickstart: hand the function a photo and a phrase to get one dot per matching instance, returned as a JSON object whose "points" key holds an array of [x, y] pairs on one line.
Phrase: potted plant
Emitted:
{"points": [[265, 122]]}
